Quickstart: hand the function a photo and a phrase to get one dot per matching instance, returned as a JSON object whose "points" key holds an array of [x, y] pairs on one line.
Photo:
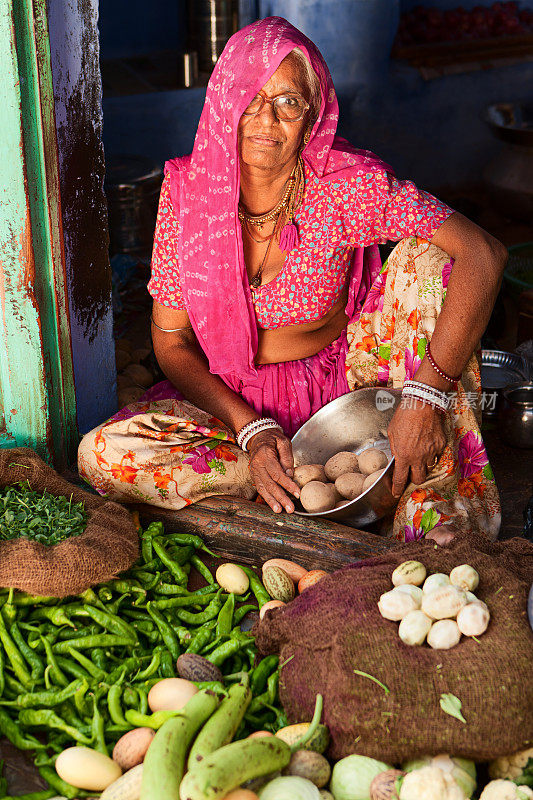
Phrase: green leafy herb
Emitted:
{"points": [[39, 516], [451, 705], [371, 678]]}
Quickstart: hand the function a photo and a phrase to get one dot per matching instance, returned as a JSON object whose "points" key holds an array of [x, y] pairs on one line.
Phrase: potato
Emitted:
{"points": [[340, 463], [131, 748], [371, 460], [317, 496], [312, 577], [444, 634], [268, 605], [415, 592], [139, 375], [341, 503], [350, 485], [371, 479], [170, 694], [414, 628], [312, 766], [309, 472], [473, 619], [126, 397], [87, 769], [444, 602], [465, 577], [413, 572], [435, 581], [232, 578], [395, 605]]}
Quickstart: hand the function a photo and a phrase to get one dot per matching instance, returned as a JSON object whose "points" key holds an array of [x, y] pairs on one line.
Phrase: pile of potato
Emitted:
{"points": [[438, 608], [341, 479]]}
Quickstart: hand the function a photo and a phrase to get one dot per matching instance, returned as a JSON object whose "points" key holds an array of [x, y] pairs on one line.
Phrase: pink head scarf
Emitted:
{"points": [[205, 192]]}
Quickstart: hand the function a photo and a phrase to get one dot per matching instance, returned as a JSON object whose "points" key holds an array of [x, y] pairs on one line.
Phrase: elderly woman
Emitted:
{"points": [[270, 300]]}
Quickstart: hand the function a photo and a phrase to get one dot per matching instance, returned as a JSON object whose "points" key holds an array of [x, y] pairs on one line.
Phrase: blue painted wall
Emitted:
{"points": [[136, 27]]}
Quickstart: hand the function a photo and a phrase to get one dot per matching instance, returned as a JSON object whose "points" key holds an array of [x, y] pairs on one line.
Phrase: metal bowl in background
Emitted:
{"points": [[353, 422], [499, 369], [515, 415]]}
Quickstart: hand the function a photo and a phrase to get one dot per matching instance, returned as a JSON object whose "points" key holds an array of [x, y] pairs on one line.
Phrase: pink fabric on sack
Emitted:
{"points": [[205, 191], [290, 391]]}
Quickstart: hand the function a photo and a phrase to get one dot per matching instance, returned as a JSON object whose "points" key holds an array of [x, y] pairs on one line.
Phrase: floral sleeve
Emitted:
{"points": [[164, 284], [379, 207]]}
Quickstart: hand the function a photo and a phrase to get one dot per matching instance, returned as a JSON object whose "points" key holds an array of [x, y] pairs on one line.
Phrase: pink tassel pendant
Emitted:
{"points": [[289, 238]]}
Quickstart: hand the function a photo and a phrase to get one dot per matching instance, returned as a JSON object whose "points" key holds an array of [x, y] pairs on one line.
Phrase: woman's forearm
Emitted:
{"points": [[470, 296], [186, 367]]}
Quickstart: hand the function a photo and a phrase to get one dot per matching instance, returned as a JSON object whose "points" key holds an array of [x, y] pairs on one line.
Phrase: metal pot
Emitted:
{"points": [[211, 23], [132, 186], [353, 422], [515, 415]]}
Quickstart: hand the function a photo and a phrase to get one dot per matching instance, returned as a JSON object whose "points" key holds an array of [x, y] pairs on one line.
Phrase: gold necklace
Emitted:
{"points": [[259, 220], [255, 282]]}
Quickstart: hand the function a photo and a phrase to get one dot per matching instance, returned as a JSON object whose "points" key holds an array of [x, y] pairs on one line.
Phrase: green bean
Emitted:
{"points": [[204, 571], [167, 634], [173, 567], [261, 594], [44, 717], [14, 656]]}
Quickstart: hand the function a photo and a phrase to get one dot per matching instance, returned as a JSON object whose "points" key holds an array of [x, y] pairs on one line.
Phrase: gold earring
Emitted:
{"points": [[307, 136]]}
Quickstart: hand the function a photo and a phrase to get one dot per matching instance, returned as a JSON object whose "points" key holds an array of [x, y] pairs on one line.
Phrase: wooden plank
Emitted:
{"points": [[251, 533]]}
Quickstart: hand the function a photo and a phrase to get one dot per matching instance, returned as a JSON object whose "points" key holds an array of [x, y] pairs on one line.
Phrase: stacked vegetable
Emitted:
{"points": [[80, 670], [440, 610]]}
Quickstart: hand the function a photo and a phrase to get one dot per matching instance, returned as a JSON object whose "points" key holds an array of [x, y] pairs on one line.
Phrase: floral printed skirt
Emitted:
{"points": [[164, 451]]}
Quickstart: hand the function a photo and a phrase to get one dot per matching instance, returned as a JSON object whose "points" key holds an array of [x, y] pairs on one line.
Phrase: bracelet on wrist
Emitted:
{"points": [[426, 394], [256, 426], [437, 369]]}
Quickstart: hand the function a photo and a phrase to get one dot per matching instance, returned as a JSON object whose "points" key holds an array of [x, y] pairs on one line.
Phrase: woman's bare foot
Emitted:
{"points": [[443, 534]]}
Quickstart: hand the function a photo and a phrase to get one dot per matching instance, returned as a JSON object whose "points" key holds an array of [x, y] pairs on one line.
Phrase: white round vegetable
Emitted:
{"points": [[473, 619], [435, 581], [465, 577], [171, 694], [414, 628], [317, 497], [414, 591], [371, 460], [444, 634], [340, 463], [394, 605], [352, 776], [232, 578], [471, 597], [429, 783], [87, 769], [413, 572], [505, 790], [290, 787], [444, 602]]}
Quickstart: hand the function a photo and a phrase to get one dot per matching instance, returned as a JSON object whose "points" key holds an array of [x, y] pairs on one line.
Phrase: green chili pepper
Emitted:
{"points": [[98, 730], [181, 554], [167, 665], [72, 669], [208, 613], [128, 666], [98, 655], [89, 642], [9, 610], [152, 667], [2, 675], [14, 656], [225, 617], [173, 567], [153, 721], [88, 665], [110, 622], [61, 787], [204, 571], [262, 672], [190, 538], [44, 795], [23, 599], [261, 594], [52, 698], [183, 602], [32, 659], [56, 614], [11, 730], [55, 670], [201, 637], [91, 598], [224, 651], [143, 700], [241, 612], [79, 698], [171, 589], [167, 634], [44, 717]]}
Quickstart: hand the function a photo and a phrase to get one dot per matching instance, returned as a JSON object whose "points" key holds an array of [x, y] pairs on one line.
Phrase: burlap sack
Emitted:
{"points": [[108, 545], [335, 628]]}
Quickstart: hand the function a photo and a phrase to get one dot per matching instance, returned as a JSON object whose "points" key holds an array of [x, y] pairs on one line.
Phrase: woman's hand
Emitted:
{"points": [[416, 437], [272, 468]]}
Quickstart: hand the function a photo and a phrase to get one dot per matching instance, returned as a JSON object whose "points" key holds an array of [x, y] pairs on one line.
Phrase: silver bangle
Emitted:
{"points": [[169, 330], [424, 387], [256, 426], [427, 397]]}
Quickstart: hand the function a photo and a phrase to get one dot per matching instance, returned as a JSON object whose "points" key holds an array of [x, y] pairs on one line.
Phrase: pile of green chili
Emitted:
{"points": [[39, 516], [78, 670]]}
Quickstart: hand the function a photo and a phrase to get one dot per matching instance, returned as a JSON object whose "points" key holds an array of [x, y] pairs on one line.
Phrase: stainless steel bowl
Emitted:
{"points": [[515, 415], [353, 422]]}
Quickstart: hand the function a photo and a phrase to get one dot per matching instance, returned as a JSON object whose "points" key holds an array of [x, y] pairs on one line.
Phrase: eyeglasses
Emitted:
{"points": [[287, 107]]}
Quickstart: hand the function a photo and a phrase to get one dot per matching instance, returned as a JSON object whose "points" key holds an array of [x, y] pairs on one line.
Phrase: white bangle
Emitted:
{"points": [[257, 426], [424, 387], [441, 403]]}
